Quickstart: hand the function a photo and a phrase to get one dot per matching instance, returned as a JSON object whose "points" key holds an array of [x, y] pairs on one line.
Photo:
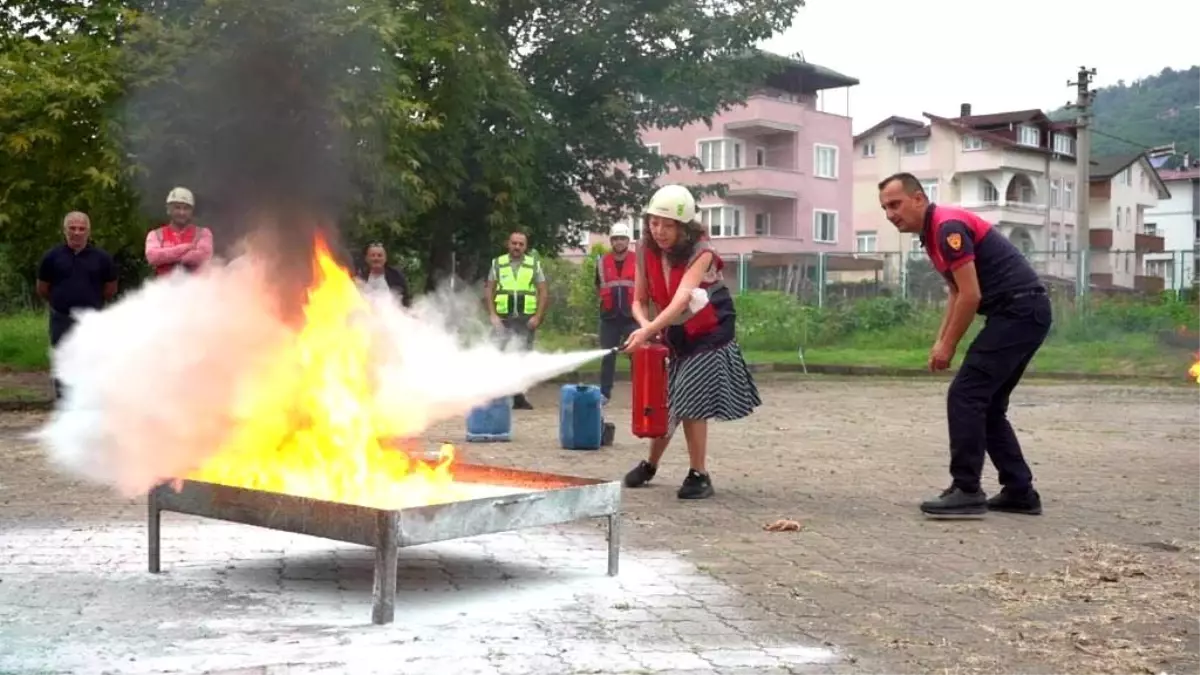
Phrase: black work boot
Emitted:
{"points": [[696, 485], [954, 503], [640, 474], [521, 403], [1027, 502]]}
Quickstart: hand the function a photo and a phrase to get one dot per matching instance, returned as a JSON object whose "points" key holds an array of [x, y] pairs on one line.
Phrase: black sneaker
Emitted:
{"points": [[640, 474], [521, 403], [1027, 502], [696, 485], [954, 503]]}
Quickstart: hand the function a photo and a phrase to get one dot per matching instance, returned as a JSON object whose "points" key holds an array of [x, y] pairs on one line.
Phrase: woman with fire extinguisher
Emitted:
{"points": [[707, 377]]}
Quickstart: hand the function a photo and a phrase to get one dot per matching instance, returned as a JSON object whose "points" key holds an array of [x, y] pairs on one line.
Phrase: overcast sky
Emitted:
{"points": [[931, 55]]}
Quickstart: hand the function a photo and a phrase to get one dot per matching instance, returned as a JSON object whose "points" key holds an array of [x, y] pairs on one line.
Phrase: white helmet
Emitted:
{"points": [[672, 201], [181, 195], [620, 230]]}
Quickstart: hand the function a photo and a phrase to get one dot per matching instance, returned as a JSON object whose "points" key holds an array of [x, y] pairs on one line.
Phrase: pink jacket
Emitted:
{"points": [[192, 256]]}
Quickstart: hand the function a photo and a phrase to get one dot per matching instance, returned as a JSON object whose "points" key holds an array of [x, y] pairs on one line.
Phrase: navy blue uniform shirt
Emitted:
{"points": [[76, 279], [959, 239]]}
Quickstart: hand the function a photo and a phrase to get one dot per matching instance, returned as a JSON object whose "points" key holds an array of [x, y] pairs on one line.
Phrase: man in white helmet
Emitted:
{"points": [[180, 243], [615, 275]]}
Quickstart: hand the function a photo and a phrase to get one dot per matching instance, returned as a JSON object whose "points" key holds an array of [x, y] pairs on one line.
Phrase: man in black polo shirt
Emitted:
{"points": [[74, 275], [986, 274]]}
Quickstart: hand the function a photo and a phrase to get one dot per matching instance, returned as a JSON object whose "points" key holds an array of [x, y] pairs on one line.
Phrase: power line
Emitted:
{"points": [[1123, 140]]}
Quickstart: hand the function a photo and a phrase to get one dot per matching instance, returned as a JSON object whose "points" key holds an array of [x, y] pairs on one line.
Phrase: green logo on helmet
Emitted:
{"points": [[679, 209]]}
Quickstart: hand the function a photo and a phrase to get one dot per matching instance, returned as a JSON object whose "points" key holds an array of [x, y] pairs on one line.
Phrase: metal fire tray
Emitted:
{"points": [[540, 499]]}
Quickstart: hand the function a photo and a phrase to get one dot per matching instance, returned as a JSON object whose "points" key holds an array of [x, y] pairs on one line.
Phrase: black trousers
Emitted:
{"points": [[613, 332], [977, 402], [60, 325]]}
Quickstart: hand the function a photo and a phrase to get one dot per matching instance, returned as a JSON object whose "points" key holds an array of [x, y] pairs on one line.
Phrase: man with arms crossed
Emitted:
{"points": [[986, 274]]}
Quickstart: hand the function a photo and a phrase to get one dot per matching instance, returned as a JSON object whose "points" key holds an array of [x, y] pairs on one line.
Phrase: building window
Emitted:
{"points": [[825, 224], [1053, 245], [865, 242], [1067, 241], [825, 161], [1064, 144], [762, 224], [988, 194], [1054, 185], [722, 221], [760, 156], [656, 149], [1068, 194], [1031, 136], [1150, 229], [1127, 176], [1118, 218], [721, 154], [868, 149], [972, 143], [915, 146], [931, 189]]}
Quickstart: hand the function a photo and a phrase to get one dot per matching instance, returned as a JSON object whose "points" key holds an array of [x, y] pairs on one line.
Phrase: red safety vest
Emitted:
{"points": [[662, 287], [168, 237], [611, 301]]}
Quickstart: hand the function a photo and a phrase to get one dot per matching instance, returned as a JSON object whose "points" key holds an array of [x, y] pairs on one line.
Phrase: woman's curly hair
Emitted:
{"points": [[682, 251]]}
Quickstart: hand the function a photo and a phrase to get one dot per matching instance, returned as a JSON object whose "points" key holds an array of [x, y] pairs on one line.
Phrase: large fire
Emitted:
{"points": [[306, 425]]}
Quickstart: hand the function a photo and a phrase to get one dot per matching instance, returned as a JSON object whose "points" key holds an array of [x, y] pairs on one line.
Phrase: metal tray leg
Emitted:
{"points": [[153, 530], [614, 543], [387, 554]]}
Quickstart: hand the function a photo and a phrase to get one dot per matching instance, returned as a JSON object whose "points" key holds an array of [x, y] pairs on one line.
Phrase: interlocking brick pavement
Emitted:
{"points": [[1104, 582]]}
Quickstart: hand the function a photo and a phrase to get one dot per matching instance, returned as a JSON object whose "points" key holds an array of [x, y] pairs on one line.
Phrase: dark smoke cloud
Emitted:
{"points": [[248, 120]]}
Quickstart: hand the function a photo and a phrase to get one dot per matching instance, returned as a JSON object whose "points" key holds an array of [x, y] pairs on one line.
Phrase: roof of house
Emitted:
{"points": [[1179, 174], [810, 76], [970, 126], [1105, 167], [887, 122]]}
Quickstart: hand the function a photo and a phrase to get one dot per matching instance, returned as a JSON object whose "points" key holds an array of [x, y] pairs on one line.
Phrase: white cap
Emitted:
{"points": [[181, 195], [672, 201], [619, 230]]}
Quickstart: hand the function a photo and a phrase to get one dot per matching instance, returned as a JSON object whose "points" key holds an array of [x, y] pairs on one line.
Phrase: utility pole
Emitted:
{"points": [[1083, 160]]}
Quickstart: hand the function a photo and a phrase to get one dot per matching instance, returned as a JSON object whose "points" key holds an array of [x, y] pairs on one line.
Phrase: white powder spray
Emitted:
{"points": [[153, 381]]}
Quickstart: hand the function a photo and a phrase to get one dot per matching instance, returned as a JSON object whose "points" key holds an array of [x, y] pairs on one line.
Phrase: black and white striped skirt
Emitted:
{"points": [[714, 384]]}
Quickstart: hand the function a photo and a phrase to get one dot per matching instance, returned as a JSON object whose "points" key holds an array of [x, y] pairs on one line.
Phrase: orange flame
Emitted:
{"points": [[306, 427], [1194, 371]]}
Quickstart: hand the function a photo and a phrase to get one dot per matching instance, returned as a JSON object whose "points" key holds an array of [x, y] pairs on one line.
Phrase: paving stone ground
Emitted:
{"points": [[1106, 581]]}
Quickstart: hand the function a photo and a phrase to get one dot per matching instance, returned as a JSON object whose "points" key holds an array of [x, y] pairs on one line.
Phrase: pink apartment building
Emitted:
{"points": [[787, 165]]}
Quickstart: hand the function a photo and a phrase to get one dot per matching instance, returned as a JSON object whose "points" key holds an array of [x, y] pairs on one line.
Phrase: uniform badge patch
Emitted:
{"points": [[954, 241]]}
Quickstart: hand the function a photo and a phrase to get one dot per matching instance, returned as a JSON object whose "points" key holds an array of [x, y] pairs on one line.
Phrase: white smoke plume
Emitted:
{"points": [[153, 381]]}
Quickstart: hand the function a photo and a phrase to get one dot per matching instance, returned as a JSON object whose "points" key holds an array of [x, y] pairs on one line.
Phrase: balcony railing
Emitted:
{"points": [[1028, 207]]}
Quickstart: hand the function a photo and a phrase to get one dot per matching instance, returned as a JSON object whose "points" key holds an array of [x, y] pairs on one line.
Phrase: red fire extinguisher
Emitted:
{"points": [[650, 390]]}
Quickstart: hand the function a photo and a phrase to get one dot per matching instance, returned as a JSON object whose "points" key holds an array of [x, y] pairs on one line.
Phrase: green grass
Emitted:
{"points": [[24, 346], [1133, 354], [24, 342]]}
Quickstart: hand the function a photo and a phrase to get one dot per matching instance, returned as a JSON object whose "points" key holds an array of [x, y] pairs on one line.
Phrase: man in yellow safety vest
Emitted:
{"points": [[517, 296]]}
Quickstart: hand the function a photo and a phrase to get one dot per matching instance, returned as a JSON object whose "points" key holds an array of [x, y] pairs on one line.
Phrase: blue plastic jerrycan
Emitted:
{"points": [[581, 417], [491, 422]]}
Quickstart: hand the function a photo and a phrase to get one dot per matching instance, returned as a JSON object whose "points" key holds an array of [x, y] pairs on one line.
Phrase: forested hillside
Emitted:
{"points": [[1156, 110]]}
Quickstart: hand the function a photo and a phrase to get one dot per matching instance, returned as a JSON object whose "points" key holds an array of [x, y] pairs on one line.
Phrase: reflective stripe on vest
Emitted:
{"points": [[611, 279], [168, 237], [516, 294]]}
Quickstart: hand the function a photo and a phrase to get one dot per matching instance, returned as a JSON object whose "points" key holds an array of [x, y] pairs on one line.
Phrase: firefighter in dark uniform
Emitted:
{"points": [[986, 274]]}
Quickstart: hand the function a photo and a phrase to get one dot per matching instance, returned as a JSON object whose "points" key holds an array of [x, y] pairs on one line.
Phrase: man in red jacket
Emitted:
{"points": [[179, 243], [615, 274], [986, 274]]}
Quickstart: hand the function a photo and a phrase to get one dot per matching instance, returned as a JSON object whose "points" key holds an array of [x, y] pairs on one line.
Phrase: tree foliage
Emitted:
{"points": [[1153, 111], [437, 127]]}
